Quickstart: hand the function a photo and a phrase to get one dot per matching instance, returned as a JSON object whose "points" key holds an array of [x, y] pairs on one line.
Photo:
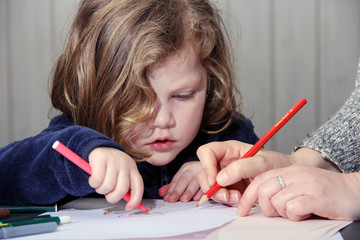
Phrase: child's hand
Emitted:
{"points": [[184, 185], [114, 173]]}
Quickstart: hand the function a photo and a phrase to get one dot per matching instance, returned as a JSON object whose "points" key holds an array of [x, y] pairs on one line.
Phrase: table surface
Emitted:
{"points": [[351, 232]]}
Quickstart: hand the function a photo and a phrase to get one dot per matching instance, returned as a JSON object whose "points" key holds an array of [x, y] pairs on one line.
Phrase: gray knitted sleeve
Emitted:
{"points": [[338, 140]]}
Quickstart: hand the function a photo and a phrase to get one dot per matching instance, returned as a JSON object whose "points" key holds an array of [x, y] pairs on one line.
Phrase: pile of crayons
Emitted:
{"points": [[26, 224]]}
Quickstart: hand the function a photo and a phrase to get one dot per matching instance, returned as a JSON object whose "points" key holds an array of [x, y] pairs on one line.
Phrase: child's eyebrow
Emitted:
{"points": [[192, 83]]}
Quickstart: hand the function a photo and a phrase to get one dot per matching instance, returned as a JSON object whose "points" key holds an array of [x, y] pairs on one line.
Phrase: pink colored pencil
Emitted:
{"points": [[259, 144], [84, 165]]}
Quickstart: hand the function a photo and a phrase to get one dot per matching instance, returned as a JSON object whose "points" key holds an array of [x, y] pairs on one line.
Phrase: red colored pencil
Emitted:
{"points": [[84, 165], [259, 144]]}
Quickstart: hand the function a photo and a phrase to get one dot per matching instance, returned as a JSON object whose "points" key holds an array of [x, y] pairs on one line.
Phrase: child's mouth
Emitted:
{"points": [[160, 145]]}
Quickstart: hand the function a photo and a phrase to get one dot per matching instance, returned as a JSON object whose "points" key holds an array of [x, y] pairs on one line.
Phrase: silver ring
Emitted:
{"points": [[281, 181]]}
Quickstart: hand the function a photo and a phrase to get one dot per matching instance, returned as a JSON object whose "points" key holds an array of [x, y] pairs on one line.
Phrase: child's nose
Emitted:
{"points": [[163, 117]]}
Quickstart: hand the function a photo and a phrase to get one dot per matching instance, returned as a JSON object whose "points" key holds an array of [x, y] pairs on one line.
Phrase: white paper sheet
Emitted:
{"points": [[97, 219], [104, 221], [256, 226]]}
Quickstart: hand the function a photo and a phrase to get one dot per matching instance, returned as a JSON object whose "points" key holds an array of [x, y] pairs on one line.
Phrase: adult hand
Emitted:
{"points": [[308, 190], [222, 163]]}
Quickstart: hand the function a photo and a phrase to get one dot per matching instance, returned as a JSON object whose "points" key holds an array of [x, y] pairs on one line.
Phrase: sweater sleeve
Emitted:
{"points": [[338, 140], [241, 129], [33, 173]]}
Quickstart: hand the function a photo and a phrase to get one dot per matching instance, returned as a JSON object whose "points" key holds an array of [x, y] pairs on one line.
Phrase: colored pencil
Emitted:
{"points": [[23, 218], [29, 208], [11, 232], [58, 220], [84, 165], [259, 144]]}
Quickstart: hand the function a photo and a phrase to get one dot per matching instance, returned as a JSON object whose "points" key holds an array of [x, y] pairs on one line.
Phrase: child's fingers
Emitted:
{"points": [[163, 190], [184, 180], [178, 177], [171, 186], [109, 182], [120, 187], [175, 190], [118, 176], [191, 190], [198, 195], [98, 170], [137, 190], [96, 179]]}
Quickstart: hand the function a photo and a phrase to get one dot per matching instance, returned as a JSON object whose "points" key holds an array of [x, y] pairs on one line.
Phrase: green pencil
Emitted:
{"points": [[29, 208], [23, 218], [58, 220]]}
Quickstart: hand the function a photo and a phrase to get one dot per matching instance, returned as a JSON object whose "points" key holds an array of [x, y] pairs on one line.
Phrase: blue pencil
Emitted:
{"points": [[10, 232]]}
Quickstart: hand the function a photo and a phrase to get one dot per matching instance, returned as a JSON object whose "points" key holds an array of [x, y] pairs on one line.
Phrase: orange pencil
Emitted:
{"points": [[84, 165], [259, 144]]}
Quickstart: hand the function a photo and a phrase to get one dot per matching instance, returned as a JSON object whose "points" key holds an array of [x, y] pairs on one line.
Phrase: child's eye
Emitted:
{"points": [[184, 96]]}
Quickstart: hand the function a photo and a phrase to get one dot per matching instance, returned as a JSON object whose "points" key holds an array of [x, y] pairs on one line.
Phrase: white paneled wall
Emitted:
{"points": [[289, 49], [31, 34], [285, 50]]}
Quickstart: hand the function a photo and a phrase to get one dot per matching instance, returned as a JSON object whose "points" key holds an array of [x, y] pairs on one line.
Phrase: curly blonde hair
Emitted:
{"points": [[100, 79]]}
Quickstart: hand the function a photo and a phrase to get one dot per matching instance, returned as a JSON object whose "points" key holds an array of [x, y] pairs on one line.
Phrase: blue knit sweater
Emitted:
{"points": [[33, 173]]}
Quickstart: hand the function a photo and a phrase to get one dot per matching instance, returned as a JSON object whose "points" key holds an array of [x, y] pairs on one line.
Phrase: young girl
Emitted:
{"points": [[141, 85]]}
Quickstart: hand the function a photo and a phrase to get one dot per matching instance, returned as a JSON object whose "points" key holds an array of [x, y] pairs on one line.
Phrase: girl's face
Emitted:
{"points": [[180, 85]]}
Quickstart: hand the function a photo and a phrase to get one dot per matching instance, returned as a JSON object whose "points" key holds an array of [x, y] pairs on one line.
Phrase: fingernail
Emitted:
{"points": [[172, 198], [163, 190], [166, 197], [223, 178], [209, 181], [225, 197], [222, 197], [239, 211], [235, 197], [184, 198]]}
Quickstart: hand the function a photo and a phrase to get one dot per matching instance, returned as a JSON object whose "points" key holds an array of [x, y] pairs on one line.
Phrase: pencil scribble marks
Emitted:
{"points": [[117, 210], [156, 206], [141, 215]]}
